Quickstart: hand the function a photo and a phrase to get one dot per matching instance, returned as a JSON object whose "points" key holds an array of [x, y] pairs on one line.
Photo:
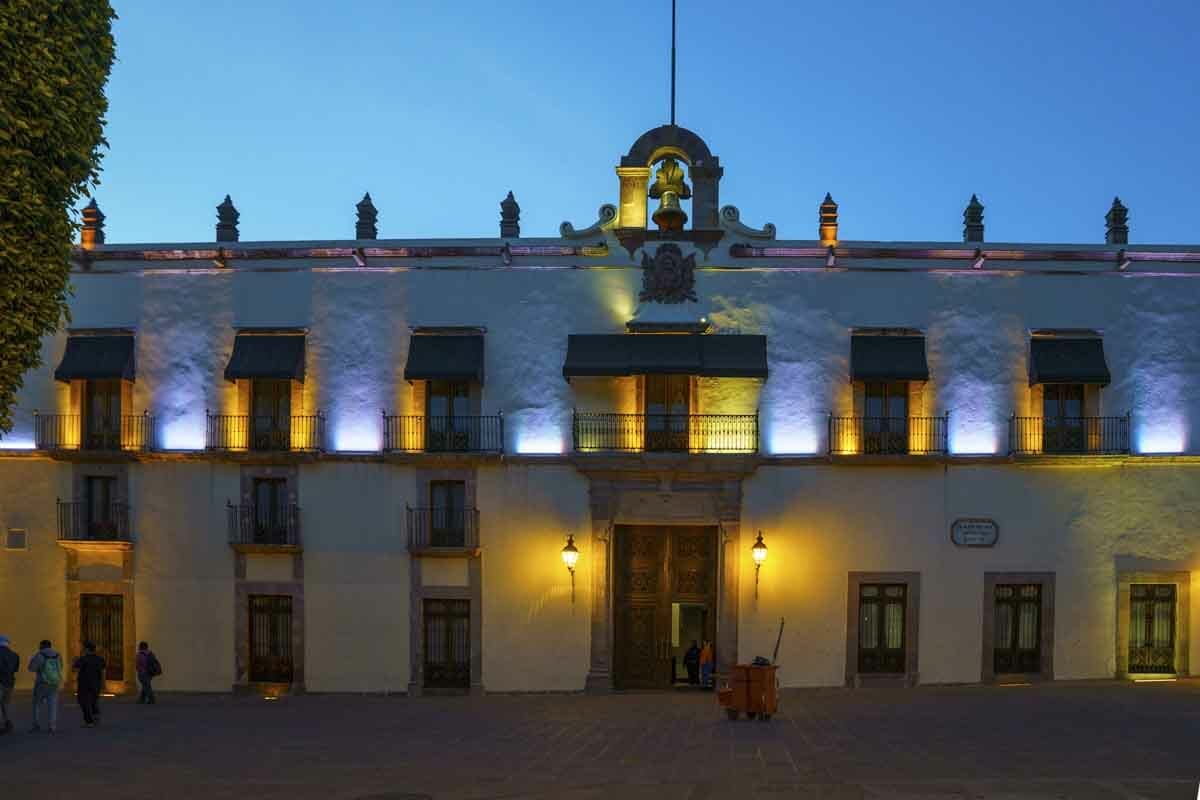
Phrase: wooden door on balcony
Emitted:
{"points": [[1063, 423], [270, 638], [270, 414], [102, 415], [101, 623], [655, 567], [448, 416], [668, 403], [885, 418]]}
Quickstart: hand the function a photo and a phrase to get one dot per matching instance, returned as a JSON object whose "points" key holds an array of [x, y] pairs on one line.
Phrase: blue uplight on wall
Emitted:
{"points": [[183, 433], [357, 433]]}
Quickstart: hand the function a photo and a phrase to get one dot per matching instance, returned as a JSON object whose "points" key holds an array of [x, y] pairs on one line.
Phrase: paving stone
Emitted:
{"points": [[1075, 742]]}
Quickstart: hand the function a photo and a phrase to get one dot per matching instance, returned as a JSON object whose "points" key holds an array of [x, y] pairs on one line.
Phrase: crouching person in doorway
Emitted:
{"points": [[89, 684], [148, 669]]}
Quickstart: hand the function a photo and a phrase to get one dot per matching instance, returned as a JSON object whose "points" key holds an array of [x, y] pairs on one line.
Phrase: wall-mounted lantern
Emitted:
{"points": [[570, 555], [759, 551]]}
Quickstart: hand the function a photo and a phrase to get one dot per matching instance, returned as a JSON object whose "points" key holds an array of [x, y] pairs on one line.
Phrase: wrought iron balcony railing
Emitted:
{"points": [[1068, 435], [80, 521], [272, 526], [681, 433], [872, 436], [111, 434], [442, 527], [258, 433], [421, 434]]}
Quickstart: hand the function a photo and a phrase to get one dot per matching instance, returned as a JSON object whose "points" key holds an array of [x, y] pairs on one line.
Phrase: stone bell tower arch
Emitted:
{"points": [[634, 175]]}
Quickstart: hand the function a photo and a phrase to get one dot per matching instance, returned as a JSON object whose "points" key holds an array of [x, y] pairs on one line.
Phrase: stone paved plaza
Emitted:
{"points": [[1093, 741]]}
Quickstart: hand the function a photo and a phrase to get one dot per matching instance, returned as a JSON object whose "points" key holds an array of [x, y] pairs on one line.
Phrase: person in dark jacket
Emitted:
{"points": [[147, 668], [10, 662], [89, 683], [691, 660]]}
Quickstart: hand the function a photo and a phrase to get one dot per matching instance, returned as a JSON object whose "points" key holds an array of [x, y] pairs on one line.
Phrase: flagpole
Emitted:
{"points": [[672, 63]]}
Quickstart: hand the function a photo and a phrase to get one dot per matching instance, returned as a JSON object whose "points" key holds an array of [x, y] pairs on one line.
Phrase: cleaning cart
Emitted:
{"points": [[753, 689]]}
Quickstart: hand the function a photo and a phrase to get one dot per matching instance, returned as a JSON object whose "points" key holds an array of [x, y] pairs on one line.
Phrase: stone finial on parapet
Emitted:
{"points": [[973, 221], [510, 217], [227, 221], [92, 231], [1116, 223], [828, 221], [365, 227]]}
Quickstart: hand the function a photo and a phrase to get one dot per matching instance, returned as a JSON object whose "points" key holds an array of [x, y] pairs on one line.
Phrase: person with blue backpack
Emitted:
{"points": [[46, 664]]}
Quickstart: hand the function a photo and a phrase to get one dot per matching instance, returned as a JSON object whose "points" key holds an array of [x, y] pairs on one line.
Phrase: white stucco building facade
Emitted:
{"points": [[353, 465]]}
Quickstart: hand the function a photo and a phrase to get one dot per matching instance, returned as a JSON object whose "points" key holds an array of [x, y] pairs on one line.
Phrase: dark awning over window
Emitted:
{"points": [[445, 357], [97, 357], [888, 358], [1055, 360], [717, 356], [267, 355]]}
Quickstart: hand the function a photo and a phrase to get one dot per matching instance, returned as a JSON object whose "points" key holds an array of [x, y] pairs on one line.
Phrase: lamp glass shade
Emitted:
{"points": [[570, 553], [759, 550]]}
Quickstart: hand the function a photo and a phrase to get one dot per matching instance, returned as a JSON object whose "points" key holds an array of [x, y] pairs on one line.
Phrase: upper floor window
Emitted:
{"points": [[270, 511], [448, 513], [101, 499]]}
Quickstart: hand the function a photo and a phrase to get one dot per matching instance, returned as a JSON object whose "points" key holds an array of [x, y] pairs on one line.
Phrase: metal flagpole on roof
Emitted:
{"points": [[672, 62]]}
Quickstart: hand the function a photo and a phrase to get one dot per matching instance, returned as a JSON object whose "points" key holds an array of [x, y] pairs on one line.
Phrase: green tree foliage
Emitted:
{"points": [[55, 56]]}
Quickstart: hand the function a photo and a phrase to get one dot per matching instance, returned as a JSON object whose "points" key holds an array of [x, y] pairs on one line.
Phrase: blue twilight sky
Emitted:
{"points": [[901, 110]]}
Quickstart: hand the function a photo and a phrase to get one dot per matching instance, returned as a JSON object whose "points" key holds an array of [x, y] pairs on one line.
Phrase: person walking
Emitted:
{"points": [[47, 666], [10, 662], [706, 665], [89, 683], [148, 669]]}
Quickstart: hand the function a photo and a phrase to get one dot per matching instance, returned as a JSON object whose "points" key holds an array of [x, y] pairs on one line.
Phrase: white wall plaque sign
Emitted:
{"points": [[974, 532]]}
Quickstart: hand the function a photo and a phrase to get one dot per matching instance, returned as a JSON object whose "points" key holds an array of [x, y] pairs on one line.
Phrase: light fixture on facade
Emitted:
{"points": [[570, 555], [759, 551]]}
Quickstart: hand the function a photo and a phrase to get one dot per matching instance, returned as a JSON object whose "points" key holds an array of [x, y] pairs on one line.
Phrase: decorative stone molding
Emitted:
{"points": [[973, 221], [1183, 623], [241, 628], [510, 217], [1046, 645], [227, 221], [365, 227], [606, 218], [912, 607], [664, 499], [668, 277], [731, 220]]}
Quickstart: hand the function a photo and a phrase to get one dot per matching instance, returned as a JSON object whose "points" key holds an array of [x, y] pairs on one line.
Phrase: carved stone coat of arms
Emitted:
{"points": [[668, 277]]}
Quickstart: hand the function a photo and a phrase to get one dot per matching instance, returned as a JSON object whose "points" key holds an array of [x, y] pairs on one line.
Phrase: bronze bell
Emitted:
{"points": [[669, 216], [669, 188]]}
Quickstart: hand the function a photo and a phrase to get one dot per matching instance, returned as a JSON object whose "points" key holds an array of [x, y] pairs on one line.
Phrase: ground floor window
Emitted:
{"points": [[881, 627], [447, 644], [100, 622], [1018, 628], [1152, 628], [270, 638]]}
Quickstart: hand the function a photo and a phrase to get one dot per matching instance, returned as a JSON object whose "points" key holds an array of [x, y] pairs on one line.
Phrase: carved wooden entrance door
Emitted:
{"points": [[655, 567]]}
